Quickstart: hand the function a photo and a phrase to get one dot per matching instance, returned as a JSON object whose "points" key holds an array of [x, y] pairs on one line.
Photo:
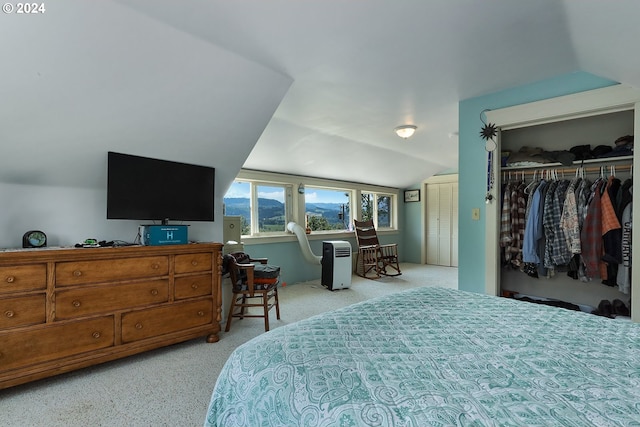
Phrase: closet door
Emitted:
{"points": [[442, 224]]}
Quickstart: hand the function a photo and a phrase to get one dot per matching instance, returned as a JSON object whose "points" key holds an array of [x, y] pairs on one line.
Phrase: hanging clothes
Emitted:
{"points": [[518, 209], [591, 234], [532, 232], [549, 217], [575, 226], [624, 197], [582, 197], [569, 222], [505, 221], [623, 279], [560, 254], [611, 229]]}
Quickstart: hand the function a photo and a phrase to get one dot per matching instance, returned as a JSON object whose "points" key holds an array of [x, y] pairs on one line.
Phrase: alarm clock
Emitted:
{"points": [[34, 239]]}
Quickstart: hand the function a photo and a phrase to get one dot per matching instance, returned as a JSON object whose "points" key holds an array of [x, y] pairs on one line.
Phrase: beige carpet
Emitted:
{"points": [[172, 386]]}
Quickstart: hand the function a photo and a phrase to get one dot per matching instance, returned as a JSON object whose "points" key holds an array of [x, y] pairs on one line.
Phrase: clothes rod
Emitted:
{"points": [[609, 169]]}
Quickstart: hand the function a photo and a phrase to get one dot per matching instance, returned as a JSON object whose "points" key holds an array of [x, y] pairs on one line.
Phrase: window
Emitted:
{"points": [[266, 202], [379, 208], [384, 211], [327, 209], [237, 202], [270, 210], [260, 206]]}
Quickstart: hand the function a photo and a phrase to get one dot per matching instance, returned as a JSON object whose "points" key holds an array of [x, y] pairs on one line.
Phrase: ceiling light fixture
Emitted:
{"points": [[405, 131]]}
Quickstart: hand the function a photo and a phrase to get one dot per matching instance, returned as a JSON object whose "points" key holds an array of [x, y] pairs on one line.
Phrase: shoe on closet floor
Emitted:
{"points": [[605, 309], [619, 308]]}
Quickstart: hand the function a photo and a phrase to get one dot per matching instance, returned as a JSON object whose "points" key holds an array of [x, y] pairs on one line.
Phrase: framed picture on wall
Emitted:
{"points": [[411, 196]]}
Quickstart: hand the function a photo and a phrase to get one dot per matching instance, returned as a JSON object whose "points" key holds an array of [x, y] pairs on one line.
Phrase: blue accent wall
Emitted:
{"points": [[293, 266], [472, 163], [413, 231]]}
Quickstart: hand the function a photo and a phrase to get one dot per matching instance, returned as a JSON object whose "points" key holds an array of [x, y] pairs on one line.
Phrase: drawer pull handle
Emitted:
{"points": [[11, 279], [194, 262], [75, 303], [9, 313], [154, 292], [201, 313], [138, 325], [77, 273], [155, 266], [96, 335], [194, 286]]}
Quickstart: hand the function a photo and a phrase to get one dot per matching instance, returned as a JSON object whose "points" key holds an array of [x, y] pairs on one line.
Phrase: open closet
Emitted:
{"points": [[545, 151]]}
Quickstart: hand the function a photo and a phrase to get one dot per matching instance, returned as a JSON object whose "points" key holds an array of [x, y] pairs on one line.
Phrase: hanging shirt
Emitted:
{"points": [[560, 253], [611, 229], [505, 218], [591, 235], [532, 232], [582, 195], [623, 279], [550, 217], [569, 221], [518, 209]]}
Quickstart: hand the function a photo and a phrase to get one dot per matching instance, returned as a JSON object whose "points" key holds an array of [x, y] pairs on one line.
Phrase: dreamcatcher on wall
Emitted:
{"points": [[489, 132]]}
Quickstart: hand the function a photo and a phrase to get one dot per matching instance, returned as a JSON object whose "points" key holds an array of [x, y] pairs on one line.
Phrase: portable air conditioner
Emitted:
{"points": [[336, 264]]}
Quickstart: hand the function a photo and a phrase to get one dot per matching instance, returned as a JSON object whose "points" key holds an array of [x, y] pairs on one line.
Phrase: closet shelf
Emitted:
{"points": [[576, 163]]}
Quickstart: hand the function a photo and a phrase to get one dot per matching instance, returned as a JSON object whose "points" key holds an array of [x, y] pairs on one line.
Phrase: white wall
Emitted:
{"points": [[69, 215]]}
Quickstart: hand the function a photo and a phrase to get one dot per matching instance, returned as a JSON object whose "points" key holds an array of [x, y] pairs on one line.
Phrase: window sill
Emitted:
{"points": [[316, 235]]}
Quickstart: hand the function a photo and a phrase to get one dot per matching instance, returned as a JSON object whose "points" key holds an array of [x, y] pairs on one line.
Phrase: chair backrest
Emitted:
{"points": [[238, 277], [366, 233]]}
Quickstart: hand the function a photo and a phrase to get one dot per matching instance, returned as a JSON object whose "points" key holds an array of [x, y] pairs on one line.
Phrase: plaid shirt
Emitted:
{"points": [[505, 219], [549, 217], [560, 253], [582, 196], [569, 223], [609, 217], [518, 208], [591, 234]]}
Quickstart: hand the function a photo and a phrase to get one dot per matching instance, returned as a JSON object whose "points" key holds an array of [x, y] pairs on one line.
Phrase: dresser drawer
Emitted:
{"points": [[193, 286], [23, 278], [188, 263], [80, 302], [138, 325], [54, 342], [78, 272], [21, 311]]}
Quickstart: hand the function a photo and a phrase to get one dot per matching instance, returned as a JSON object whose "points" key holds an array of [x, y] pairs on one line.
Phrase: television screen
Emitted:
{"points": [[151, 189]]}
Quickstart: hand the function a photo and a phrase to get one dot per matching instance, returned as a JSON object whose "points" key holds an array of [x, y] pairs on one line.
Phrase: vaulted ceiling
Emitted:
{"points": [[307, 87]]}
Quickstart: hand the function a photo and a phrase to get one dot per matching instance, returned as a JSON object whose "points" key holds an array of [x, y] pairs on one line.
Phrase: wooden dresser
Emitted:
{"points": [[65, 309]]}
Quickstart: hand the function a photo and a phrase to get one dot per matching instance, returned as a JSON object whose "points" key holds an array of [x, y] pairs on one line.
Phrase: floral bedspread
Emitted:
{"points": [[435, 357]]}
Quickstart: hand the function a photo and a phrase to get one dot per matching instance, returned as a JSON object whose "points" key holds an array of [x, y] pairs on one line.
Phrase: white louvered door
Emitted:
{"points": [[442, 224]]}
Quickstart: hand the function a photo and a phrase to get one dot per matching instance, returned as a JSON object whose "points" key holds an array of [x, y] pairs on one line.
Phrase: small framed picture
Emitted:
{"points": [[411, 196]]}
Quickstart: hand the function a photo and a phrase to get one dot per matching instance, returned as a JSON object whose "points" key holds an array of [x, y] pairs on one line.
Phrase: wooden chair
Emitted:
{"points": [[372, 256], [254, 285]]}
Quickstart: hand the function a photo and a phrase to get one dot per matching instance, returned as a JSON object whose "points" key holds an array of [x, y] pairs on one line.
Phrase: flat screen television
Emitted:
{"points": [[142, 188]]}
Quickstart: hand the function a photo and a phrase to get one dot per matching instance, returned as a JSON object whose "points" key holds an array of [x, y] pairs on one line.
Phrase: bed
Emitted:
{"points": [[435, 357]]}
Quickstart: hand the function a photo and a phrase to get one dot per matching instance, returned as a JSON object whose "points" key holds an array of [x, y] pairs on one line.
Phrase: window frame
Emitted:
{"points": [[295, 188], [349, 219], [375, 214], [254, 226]]}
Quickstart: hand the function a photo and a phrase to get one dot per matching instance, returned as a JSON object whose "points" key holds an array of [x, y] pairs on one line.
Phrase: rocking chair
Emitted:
{"points": [[373, 258]]}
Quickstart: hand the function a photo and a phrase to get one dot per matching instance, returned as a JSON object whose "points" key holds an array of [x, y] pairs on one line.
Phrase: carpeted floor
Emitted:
{"points": [[172, 386]]}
